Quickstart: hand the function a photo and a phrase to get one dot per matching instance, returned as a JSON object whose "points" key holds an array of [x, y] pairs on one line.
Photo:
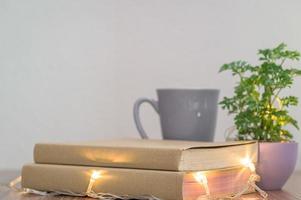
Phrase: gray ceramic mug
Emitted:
{"points": [[185, 114]]}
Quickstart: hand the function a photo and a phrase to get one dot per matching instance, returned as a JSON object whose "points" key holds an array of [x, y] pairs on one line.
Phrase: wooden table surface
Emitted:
{"points": [[291, 191]]}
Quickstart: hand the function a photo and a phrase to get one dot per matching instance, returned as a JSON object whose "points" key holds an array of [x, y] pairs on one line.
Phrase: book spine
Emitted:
{"points": [[138, 158], [75, 179]]}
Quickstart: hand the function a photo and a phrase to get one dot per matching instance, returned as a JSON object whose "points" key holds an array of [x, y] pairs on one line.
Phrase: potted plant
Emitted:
{"points": [[261, 111]]}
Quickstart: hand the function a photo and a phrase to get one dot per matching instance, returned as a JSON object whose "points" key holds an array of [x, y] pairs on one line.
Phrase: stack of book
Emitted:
{"points": [[161, 168]]}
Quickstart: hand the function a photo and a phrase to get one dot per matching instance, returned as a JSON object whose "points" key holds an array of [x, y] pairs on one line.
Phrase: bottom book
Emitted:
{"points": [[167, 185]]}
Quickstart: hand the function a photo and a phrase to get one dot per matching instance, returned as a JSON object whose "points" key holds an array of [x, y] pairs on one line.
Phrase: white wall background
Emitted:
{"points": [[71, 69]]}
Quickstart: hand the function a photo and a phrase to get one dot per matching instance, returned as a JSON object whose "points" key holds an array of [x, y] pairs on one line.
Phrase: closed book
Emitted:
{"points": [[168, 185], [148, 154]]}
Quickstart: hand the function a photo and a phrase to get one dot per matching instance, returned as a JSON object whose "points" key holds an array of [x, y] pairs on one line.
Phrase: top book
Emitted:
{"points": [[172, 155]]}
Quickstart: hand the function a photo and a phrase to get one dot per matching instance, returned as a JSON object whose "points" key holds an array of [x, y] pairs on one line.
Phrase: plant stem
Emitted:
{"points": [[276, 95], [282, 62]]}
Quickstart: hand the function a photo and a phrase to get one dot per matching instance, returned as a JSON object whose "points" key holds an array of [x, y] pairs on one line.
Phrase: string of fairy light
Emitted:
{"points": [[200, 177]]}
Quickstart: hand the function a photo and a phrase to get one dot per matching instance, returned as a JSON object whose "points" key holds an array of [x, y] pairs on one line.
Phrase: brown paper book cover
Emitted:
{"points": [[168, 185], [148, 154]]}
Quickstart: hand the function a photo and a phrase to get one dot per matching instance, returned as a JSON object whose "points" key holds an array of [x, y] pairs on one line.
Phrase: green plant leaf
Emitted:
{"points": [[260, 110]]}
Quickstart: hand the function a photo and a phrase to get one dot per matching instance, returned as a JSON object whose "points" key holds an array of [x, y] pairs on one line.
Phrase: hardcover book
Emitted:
{"points": [[168, 185], [148, 154]]}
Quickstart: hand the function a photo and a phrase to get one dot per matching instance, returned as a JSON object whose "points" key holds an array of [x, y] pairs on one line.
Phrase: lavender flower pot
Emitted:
{"points": [[276, 163]]}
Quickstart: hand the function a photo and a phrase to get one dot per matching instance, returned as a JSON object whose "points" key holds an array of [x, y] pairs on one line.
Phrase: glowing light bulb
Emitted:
{"points": [[95, 175], [201, 178], [248, 163]]}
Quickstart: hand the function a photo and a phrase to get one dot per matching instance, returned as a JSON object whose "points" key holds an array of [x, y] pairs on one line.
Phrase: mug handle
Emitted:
{"points": [[136, 113]]}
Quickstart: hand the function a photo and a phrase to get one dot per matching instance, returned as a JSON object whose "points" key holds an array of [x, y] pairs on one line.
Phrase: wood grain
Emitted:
{"points": [[291, 191]]}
